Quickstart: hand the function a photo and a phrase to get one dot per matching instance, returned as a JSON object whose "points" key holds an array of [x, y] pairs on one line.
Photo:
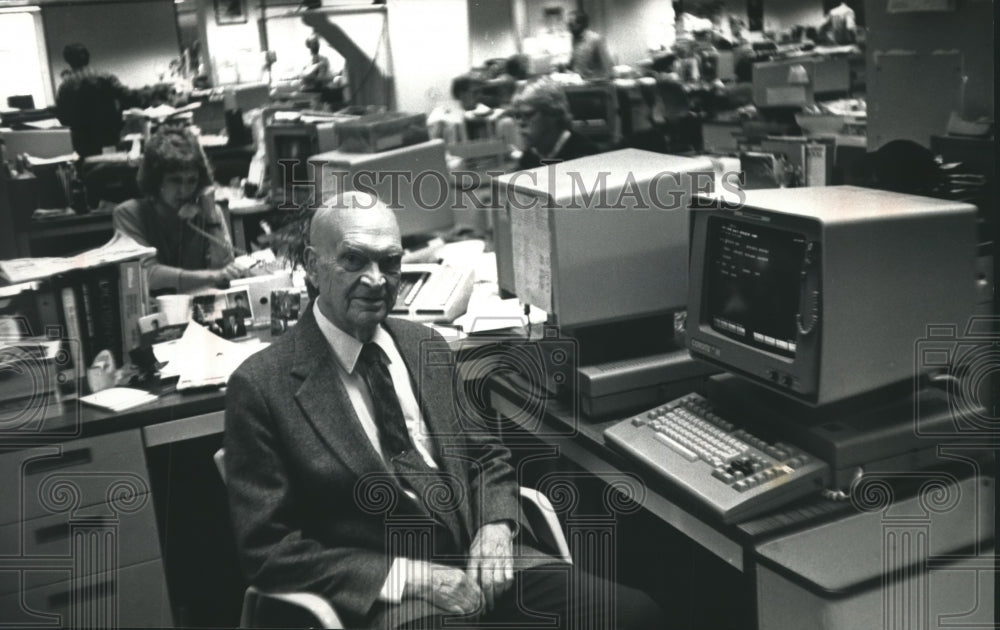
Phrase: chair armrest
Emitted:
{"points": [[265, 610], [540, 514]]}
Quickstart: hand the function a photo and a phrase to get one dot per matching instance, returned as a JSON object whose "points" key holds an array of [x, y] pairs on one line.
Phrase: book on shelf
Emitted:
{"points": [[132, 302]]}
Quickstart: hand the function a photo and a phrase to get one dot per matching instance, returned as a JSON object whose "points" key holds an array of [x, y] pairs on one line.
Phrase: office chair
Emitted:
{"points": [[268, 610]]}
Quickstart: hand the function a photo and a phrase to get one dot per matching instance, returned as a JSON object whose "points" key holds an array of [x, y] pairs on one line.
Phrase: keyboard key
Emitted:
{"points": [[686, 453]]}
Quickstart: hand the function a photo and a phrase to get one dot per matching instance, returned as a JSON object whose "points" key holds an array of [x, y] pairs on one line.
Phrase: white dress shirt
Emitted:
{"points": [[346, 350]]}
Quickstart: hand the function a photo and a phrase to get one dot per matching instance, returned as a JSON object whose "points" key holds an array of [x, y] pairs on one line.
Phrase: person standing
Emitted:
{"points": [[316, 76], [590, 57], [90, 103]]}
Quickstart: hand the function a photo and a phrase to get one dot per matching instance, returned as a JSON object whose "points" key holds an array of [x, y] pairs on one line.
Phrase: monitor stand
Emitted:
{"points": [[895, 429]]}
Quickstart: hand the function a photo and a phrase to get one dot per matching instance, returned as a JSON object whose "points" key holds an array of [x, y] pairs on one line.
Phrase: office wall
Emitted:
{"points": [[782, 15], [491, 30], [430, 46], [632, 27], [134, 40], [234, 49], [918, 107]]}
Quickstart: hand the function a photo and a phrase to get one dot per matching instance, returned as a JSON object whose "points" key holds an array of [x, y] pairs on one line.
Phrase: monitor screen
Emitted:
{"points": [[826, 293], [753, 284]]}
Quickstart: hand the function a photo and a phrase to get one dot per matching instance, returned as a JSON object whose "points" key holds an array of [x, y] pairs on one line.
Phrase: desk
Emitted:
{"points": [[98, 527], [144, 481], [803, 524]]}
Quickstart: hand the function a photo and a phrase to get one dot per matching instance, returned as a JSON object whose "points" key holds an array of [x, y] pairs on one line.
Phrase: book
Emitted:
{"points": [[108, 313], [131, 292], [71, 321]]}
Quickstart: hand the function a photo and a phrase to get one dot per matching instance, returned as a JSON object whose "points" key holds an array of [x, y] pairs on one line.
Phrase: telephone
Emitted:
{"points": [[203, 203], [433, 292]]}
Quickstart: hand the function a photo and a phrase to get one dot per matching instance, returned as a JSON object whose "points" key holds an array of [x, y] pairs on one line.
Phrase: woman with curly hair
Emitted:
{"points": [[177, 215]]}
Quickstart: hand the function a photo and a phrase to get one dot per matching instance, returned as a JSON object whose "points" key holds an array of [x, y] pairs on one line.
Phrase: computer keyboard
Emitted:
{"points": [[735, 474], [439, 287]]}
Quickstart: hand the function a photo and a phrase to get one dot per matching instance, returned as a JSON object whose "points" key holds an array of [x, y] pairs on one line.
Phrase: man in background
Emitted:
{"points": [[590, 57], [91, 103], [546, 123], [316, 76]]}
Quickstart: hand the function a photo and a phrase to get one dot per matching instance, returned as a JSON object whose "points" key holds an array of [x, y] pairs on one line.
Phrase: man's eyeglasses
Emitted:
{"points": [[524, 114], [354, 261]]}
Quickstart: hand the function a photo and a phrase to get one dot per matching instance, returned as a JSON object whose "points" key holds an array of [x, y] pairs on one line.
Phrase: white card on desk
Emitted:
{"points": [[118, 398]]}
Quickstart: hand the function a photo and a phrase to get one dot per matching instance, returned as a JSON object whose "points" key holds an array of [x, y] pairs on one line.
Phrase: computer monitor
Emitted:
{"points": [[594, 107], [288, 147], [785, 83], [824, 293], [210, 117], [248, 96], [602, 239], [413, 180]]}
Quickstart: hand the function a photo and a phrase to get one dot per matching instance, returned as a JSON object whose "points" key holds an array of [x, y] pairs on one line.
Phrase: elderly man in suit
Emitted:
{"points": [[328, 419]]}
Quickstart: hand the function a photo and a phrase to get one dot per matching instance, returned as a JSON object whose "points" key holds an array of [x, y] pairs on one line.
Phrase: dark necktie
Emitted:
{"points": [[397, 446], [385, 403]]}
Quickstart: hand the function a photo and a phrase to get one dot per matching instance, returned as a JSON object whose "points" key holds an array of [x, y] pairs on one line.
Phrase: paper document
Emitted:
{"points": [[119, 398], [203, 359]]}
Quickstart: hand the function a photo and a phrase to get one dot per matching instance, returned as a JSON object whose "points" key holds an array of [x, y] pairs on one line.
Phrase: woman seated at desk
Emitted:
{"points": [[178, 217]]}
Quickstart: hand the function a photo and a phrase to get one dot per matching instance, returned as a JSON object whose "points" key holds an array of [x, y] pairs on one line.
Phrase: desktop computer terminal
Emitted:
{"points": [[827, 306]]}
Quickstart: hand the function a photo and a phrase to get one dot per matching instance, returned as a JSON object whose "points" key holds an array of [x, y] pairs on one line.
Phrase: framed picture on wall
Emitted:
{"points": [[230, 11]]}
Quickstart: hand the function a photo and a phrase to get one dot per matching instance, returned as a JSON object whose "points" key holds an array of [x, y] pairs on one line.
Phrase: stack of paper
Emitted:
{"points": [[202, 359], [118, 398]]}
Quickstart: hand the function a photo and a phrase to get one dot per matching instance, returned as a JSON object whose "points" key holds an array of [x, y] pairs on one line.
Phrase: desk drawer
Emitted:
{"points": [[93, 476], [138, 601], [47, 542]]}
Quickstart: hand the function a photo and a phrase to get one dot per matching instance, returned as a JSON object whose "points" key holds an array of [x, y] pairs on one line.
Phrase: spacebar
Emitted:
{"points": [[688, 454]]}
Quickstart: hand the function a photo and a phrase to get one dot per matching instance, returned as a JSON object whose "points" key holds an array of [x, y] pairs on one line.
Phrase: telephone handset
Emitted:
{"points": [[809, 291], [203, 203]]}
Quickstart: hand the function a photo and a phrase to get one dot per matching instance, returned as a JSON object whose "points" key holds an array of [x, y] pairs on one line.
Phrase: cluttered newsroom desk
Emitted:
{"points": [[91, 499]]}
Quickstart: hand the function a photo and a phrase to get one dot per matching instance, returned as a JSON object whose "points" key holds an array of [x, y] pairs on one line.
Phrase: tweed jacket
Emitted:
{"points": [[299, 467]]}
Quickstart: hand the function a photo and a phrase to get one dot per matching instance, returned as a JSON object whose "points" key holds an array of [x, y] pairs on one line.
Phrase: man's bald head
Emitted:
{"points": [[354, 259], [347, 212]]}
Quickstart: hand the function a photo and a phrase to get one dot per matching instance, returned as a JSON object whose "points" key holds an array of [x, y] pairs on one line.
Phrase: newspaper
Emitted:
{"points": [[118, 249]]}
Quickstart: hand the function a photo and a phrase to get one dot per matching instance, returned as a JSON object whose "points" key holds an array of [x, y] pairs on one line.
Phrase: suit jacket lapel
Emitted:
{"points": [[324, 400]]}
